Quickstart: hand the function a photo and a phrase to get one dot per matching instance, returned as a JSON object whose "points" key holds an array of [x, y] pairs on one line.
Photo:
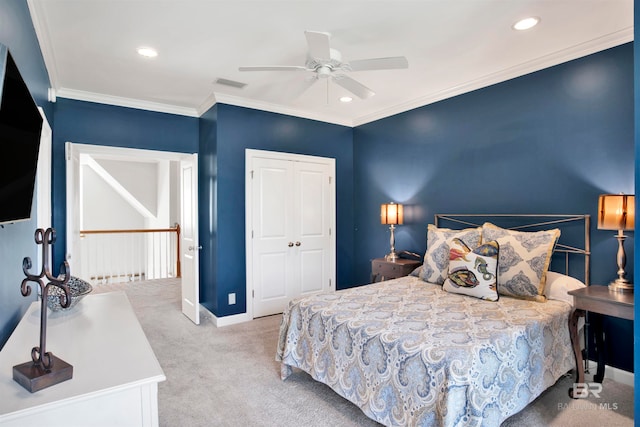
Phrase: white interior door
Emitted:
{"points": [[189, 245], [273, 236], [73, 209], [312, 205], [290, 221]]}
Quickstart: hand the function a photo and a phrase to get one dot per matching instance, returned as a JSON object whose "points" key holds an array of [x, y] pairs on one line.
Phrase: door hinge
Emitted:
{"points": [[252, 234], [251, 174], [253, 293], [330, 283], [330, 178], [329, 231]]}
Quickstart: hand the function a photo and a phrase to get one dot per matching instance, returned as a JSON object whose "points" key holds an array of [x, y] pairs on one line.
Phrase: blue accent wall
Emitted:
{"points": [[17, 240], [207, 207], [548, 142], [241, 128]]}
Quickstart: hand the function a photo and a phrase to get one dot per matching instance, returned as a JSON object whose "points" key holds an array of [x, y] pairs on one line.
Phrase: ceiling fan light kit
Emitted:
{"points": [[326, 63]]}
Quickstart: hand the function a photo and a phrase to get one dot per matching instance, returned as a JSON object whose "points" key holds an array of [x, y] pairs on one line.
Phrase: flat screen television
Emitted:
{"points": [[20, 129]]}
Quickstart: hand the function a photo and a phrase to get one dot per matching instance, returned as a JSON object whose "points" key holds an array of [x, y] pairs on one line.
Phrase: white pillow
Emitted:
{"points": [[473, 272], [559, 284]]}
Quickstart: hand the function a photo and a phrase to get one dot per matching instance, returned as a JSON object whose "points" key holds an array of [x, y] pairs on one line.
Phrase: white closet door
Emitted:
{"points": [[272, 235], [312, 206], [291, 251]]}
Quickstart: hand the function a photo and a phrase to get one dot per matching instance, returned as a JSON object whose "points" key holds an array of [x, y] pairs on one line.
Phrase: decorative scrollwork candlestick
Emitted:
{"points": [[44, 369]]}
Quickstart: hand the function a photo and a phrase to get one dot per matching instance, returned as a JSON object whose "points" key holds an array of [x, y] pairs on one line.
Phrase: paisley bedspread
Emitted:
{"points": [[410, 354]]}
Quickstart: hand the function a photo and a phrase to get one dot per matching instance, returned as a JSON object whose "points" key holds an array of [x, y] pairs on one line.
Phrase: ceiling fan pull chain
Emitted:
{"points": [[327, 91]]}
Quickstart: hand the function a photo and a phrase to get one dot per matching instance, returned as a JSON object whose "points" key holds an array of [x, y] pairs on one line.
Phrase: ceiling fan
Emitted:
{"points": [[326, 63]]}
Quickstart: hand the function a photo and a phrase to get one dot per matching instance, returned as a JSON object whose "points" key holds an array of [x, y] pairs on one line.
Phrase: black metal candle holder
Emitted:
{"points": [[44, 369]]}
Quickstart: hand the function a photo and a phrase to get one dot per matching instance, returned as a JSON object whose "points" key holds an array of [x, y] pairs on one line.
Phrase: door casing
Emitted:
{"points": [[73, 150]]}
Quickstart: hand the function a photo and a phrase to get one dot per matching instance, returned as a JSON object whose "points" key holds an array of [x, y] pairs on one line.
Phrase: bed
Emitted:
{"points": [[412, 352]]}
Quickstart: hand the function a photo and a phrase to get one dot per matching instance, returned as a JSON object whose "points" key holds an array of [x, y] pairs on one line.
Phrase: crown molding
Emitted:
{"points": [[275, 108], [209, 102], [100, 98], [204, 107], [558, 57]]}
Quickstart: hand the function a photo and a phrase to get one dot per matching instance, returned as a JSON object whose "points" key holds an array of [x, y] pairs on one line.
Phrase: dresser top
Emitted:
{"points": [[100, 337]]}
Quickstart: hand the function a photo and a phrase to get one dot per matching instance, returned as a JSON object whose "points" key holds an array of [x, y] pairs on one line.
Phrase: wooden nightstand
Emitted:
{"points": [[381, 269], [596, 299]]}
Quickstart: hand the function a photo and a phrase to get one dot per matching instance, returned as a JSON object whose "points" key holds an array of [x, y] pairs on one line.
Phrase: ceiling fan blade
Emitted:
{"points": [[353, 86], [391, 63], [274, 68], [318, 43]]}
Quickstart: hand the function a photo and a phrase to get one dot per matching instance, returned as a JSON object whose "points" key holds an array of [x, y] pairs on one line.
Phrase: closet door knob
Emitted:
{"points": [[290, 244], [298, 243]]}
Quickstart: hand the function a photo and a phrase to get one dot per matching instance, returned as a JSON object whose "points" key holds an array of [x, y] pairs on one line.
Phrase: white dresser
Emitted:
{"points": [[115, 372]]}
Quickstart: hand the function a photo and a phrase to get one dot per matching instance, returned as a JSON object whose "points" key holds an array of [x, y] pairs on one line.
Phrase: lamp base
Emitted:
{"points": [[392, 257], [621, 286]]}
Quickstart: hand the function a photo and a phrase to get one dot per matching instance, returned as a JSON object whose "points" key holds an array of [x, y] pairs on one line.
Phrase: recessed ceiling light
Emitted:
{"points": [[147, 52], [526, 23], [346, 99]]}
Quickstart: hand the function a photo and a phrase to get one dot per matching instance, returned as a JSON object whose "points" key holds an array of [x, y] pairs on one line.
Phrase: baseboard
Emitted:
{"points": [[614, 374], [229, 320]]}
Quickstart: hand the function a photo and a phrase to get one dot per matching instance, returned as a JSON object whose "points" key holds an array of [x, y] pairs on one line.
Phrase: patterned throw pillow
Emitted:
{"points": [[436, 259], [473, 272], [524, 260]]}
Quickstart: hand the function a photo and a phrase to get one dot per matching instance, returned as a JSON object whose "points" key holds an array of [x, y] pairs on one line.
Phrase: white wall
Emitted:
{"points": [[103, 208], [139, 178]]}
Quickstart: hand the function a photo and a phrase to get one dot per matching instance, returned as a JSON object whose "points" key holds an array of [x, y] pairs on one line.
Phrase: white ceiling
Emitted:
{"points": [[452, 46]]}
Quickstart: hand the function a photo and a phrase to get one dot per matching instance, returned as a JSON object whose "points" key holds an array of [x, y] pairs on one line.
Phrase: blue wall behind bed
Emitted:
{"points": [[548, 142]]}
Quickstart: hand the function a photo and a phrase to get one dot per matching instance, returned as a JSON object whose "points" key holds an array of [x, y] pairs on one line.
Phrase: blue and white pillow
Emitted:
{"points": [[436, 259], [524, 260], [473, 272]]}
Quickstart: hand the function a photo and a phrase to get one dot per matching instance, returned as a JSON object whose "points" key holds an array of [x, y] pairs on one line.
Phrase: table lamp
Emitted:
{"points": [[391, 214], [617, 212]]}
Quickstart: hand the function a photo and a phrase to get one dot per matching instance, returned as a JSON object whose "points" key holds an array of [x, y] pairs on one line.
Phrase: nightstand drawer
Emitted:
{"points": [[382, 269]]}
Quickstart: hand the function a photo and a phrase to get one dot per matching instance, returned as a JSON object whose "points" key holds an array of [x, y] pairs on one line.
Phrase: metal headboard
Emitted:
{"points": [[532, 222]]}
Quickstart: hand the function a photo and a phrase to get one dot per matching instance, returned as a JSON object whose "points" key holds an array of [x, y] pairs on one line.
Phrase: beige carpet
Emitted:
{"points": [[228, 376]]}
